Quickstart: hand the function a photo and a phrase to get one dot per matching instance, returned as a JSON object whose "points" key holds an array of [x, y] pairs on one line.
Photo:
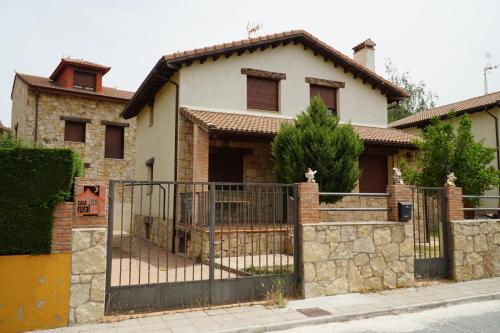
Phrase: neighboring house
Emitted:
{"points": [[72, 108], [210, 114], [4, 131], [484, 112]]}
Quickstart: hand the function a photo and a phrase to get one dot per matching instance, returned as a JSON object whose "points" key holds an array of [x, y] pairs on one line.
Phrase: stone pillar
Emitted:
{"points": [[200, 154], [454, 203], [88, 259], [308, 203], [397, 193]]}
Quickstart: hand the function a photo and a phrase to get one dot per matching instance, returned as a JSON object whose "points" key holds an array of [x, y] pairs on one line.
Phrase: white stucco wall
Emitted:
{"points": [[220, 84]]}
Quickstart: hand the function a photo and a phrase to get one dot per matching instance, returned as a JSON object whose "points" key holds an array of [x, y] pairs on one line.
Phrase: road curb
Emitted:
{"points": [[362, 315]]}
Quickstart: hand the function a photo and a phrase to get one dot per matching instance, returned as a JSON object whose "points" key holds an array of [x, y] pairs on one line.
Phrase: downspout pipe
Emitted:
{"points": [[176, 149], [496, 142], [35, 134]]}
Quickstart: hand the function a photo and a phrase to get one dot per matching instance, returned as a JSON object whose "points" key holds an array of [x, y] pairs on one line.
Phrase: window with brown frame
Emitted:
{"points": [[84, 80], [74, 131], [114, 142], [328, 95], [262, 93]]}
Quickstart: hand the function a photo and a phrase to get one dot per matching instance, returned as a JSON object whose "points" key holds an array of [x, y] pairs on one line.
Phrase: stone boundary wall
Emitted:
{"points": [[343, 257], [355, 201], [88, 262], [476, 249], [88, 275]]}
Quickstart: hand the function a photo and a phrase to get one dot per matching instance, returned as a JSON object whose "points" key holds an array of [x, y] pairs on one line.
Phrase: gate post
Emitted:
{"points": [[89, 248], [454, 204], [398, 192]]}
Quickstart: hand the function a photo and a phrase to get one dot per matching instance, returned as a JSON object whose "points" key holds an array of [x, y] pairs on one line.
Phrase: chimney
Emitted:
{"points": [[364, 53]]}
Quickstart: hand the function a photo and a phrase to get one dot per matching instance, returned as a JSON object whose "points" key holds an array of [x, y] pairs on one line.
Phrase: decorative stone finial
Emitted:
{"points": [[397, 177], [310, 175], [450, 180]]}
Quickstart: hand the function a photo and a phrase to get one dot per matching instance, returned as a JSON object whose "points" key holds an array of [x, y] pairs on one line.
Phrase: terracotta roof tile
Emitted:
{"points": [[267, 125], [469, 105], [176, 56], [44, 82], [168, 64]]}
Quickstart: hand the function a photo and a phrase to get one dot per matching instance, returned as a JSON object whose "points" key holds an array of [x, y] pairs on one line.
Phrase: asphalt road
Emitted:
{"points": [[472, 317]]}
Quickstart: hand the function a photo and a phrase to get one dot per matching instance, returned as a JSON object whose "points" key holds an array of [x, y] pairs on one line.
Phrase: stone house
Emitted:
{"points": [[484, 112], [73, 109], [211, 114]]}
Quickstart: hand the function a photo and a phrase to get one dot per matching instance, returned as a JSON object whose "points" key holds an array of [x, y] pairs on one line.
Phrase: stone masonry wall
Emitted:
{"points": [[476, 249], [350, 202], [23, 111], [346, 257], [51, 128], [88, 275], [51, 132]]}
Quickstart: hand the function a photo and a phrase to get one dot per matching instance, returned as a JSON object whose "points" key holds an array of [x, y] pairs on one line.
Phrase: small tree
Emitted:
{"points": [[444, 150], [317, 141], [420, 97]]}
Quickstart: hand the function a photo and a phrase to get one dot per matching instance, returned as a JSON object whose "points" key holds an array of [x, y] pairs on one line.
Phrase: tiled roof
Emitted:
{"points": [[469, 105], [206, 51], [269, 125], [168, 65], [78, 63], [44, 82]]}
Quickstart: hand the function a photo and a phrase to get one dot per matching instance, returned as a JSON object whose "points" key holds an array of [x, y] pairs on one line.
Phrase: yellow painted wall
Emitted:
{"points": [[34, 291]]}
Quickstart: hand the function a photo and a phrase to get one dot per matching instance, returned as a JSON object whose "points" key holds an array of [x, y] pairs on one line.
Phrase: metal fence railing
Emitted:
{"points": [[474, 204]]}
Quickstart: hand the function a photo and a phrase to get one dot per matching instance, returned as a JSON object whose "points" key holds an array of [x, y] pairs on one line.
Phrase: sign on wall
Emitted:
{"points": [[90, 200]]}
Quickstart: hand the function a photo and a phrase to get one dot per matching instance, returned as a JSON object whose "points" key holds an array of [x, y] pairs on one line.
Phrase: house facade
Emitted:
{"points": [[210, 114], [72, 109], [484, 112]]}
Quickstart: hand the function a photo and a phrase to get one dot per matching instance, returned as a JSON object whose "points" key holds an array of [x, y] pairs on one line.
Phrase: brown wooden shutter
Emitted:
{"points": [[262, 93], [113, 147], [374, 173], [225, 168], [327, 94], [74, 131], [83, 79]]}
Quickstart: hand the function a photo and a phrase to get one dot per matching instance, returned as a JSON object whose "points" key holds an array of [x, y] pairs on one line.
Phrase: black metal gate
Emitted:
{"points": [[190, 244], [430, 233]]}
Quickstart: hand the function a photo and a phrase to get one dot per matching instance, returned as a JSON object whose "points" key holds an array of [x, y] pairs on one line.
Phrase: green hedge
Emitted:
{"points": [[33, 180]]}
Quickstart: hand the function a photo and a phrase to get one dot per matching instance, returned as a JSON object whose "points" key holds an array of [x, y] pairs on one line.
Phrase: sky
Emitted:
{"points": [[445, 44]]}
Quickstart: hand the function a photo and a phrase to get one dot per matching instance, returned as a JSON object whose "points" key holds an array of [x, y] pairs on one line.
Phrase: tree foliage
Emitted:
{"points": [[445, 149], [317, 141], [420, 98]]}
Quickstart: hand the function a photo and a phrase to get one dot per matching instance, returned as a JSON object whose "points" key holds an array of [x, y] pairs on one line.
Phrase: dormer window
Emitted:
{"points": [[84, 80]]}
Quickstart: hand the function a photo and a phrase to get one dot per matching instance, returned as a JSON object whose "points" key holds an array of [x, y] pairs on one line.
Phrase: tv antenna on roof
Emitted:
{"points": [[253, 28], [487, 70]]}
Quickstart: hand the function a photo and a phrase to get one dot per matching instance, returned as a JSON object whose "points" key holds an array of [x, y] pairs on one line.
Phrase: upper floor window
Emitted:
{"points": [[114, 142], [84, 80], [74, 131], [328, 95], [262, 89], [327, 90]]}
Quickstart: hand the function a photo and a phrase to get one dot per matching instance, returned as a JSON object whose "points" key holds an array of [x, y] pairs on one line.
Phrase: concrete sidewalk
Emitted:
{"points": [[259, 318]]}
